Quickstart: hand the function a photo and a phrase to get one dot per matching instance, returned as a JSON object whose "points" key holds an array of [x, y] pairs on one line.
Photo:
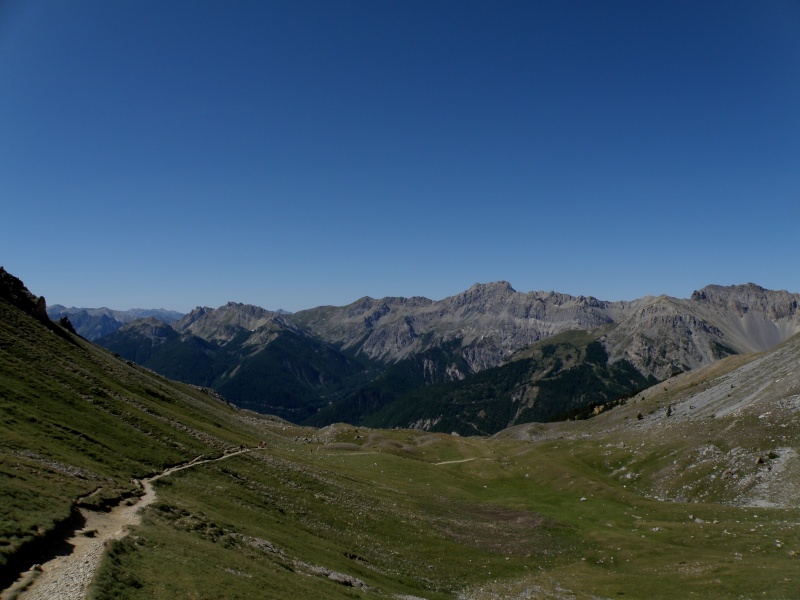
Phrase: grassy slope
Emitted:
{"points": [[74, 421], [602, 508], [376, 507]]}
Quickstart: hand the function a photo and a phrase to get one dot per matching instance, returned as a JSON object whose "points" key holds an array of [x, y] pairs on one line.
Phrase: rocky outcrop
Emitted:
{"points": [[13, 291]]}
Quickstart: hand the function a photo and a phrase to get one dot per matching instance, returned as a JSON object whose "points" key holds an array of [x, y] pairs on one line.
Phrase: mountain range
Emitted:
{"points": [[687, 488], [476, 362]]}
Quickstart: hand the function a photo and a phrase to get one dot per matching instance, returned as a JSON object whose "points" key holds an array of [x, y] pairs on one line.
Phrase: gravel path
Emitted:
{"points": [[453, 462], [67, 577]]}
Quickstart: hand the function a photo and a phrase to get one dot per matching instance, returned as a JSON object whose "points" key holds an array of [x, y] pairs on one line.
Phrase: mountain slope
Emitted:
{"points": [[731, 430], [158, 346], [750, 317], [251, 356], [227, 322], [567, 376], [491, 321], [77, 422], [664, 335]]}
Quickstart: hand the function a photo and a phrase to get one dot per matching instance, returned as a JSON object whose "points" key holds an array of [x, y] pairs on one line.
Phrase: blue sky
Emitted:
{"points": [[293, 154]]}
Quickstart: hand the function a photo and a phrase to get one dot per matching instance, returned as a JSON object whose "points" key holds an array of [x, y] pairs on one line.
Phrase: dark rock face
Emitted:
{"points": [[66, 324], [13, 291]]}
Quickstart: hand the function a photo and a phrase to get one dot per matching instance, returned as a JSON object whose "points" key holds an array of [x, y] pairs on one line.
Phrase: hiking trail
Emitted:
{"points": [[69, 574]]}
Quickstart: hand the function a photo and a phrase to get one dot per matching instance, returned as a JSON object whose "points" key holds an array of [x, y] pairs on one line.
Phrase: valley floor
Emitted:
{"points": [[345, 512]]}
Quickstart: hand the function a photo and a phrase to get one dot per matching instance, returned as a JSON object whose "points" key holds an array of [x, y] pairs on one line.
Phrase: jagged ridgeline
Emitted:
{"points": [[476, 362]]}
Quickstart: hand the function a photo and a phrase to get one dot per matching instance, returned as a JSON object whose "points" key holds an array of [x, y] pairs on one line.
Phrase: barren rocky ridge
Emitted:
{"points": [[660, 335]]}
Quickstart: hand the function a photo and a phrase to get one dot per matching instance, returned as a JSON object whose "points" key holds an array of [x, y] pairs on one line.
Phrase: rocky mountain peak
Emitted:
{"points": [[191, 317], [749, 298], [226, 322], [726, 293], [495, 288], [482, 296], [150, 328]]}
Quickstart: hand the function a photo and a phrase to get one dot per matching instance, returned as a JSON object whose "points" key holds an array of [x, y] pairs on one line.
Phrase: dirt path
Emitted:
{"points": [[67, 576], [453, 462]]}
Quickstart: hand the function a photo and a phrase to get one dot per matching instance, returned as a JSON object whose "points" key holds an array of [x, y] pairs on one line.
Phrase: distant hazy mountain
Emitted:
{"points": [[94, 323], [479, 361]]}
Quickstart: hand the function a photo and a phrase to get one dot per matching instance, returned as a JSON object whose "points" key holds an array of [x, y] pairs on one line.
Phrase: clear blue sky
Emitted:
{"points": [[292, 154]]}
